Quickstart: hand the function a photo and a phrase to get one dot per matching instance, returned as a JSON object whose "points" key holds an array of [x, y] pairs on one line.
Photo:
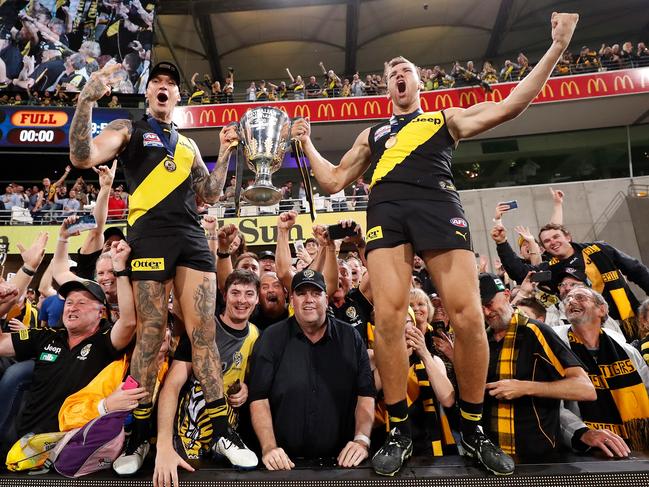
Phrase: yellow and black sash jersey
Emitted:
{"points": [[416, 163], [162, 196]]}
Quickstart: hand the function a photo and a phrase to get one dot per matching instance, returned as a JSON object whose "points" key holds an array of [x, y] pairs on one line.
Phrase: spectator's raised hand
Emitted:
{"points": [[499, 234], [524, 232], [287, 220], [321, 235], [415, 340], [100, 82], [64, 233], [500, 209], [8, 291], [226, 236], [209, 223], [557, 196], [106, 174], [356, 239], [119, 252], [33, 256]]}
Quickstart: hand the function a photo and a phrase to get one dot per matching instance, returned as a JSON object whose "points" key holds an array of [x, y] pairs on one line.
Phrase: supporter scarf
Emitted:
{"points": [[502, 413], [608, 281], [86, 16], [622, 404]]}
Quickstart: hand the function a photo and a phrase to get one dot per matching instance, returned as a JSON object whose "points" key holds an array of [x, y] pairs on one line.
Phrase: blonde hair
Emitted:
{"points": [[398, 60], [418, 294]]}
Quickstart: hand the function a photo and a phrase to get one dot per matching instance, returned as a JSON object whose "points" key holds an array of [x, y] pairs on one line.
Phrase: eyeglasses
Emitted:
{"points": [[580, 298]]}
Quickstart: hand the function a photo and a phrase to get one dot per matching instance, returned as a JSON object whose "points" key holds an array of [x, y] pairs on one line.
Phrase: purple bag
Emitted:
{"points": [[92, 447]]}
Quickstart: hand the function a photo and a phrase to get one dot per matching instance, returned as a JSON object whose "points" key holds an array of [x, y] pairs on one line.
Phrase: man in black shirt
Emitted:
{"points": [[311, 389], [313, 89], [68, 358], [530, 371]]}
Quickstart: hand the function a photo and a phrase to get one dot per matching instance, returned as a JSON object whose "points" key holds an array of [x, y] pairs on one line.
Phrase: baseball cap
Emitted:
{"points": [[165, 67], [490, 285], [308, 276], [266, 254], [83, 285], [575, 274], [114, 232]]}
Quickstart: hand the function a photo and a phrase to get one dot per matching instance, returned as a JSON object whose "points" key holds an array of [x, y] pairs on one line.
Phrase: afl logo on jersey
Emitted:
{"points": [[149, 139], [459, 222]]}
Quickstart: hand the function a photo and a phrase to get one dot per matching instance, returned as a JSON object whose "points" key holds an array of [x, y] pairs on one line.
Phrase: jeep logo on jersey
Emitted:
{"points": [[157, 264], [459, 222]]}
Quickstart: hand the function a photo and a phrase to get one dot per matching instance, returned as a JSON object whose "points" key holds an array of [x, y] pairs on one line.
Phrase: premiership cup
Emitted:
{"points": [[265, 134]]}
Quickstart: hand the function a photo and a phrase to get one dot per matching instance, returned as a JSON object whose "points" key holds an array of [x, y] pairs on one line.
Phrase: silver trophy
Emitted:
{"points": [[265, 133]]}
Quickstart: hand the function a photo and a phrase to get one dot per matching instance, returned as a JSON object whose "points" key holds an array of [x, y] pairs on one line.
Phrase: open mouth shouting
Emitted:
{"points": [[401, 86], [162, 97]]}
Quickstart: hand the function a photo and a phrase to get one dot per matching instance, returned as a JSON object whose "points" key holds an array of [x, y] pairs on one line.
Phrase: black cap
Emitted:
{"points": [[114, 232], [490, 285], [165, 67], [308, 276], [266, 254], [84, 285], [575, 274]]}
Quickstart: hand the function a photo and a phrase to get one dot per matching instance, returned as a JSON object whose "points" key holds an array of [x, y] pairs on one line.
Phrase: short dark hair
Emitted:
{"points": [[553, 226], [252, 255], [310, 239], [398, 60], [532, 303], [242, 276]]}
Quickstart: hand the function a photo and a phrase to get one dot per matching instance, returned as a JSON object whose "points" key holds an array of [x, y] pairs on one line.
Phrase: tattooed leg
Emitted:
{"points": [[196, 293], [151, 309]]}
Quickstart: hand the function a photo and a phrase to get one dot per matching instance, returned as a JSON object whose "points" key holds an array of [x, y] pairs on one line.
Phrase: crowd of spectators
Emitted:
{"points": [[47, 53], [330, 84], [53, 201], [560, 317]]}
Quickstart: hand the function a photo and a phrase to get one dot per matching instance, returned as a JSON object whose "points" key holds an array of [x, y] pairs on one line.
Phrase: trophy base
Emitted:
{"points": [[262, 195]]}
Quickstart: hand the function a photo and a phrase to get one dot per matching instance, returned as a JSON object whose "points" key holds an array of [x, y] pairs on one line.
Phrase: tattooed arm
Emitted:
{"points": [[209, 186], [86, 152]]}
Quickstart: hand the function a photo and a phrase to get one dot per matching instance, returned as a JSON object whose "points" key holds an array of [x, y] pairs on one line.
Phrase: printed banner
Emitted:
{"points": [[593, 85]]}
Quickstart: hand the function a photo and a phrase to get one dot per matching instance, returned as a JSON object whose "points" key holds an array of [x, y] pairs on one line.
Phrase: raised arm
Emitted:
{"points": [[208, 186], [124, 329], [333, 178], [61, 180], [86, 152], [464, 123], [557, 206], [61, 260], [285, 221], [94, 241]]}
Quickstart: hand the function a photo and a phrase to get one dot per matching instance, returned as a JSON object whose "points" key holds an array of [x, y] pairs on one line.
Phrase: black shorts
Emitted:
{"points": [[426, 224], [156, 258]]}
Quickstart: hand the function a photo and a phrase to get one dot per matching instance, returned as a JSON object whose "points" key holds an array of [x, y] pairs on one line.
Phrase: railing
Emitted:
{"points": [[23, 216]]}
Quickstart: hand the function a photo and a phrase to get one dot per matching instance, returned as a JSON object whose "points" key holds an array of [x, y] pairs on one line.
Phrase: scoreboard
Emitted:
{"points": [[40, 127]]}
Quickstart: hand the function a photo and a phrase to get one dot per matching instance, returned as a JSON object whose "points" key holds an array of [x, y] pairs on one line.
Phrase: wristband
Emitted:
{"points": [[212, 238], [222, 255], [363, 439], [28, 271], [123, 273], [64, 240], [101, 407]]}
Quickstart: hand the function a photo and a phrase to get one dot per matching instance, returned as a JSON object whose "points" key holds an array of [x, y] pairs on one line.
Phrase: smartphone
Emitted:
{"points": [[85, 222], [512, 205], [439, 327], [299, 245], [541, 276], [337, 232], [130, 383]]}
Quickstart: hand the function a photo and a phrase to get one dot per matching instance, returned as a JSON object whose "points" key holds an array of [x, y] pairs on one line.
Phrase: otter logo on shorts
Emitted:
{"points": [[155, 264], [374, 233]]}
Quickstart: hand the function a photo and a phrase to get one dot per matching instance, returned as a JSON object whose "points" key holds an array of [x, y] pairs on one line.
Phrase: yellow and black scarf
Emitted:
{"points": [[622, 404], [502, 412], [607, 280]]}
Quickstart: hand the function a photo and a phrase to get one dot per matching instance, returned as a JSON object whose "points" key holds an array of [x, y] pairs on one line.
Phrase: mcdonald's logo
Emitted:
{"points": [[208, 117], [622, 80], [300, 110], [547, 89], [283, 108], [370, 106], [468, 98], [347, 108], [569, 86], [495, 95], [326, 108], [424, 103], [230, 114], [186, 118], [443, 101], [595, 84]]}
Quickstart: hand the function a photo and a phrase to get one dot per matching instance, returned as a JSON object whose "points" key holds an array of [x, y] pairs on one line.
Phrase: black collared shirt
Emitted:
{"points": [[59, 371], [312, 388]]}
